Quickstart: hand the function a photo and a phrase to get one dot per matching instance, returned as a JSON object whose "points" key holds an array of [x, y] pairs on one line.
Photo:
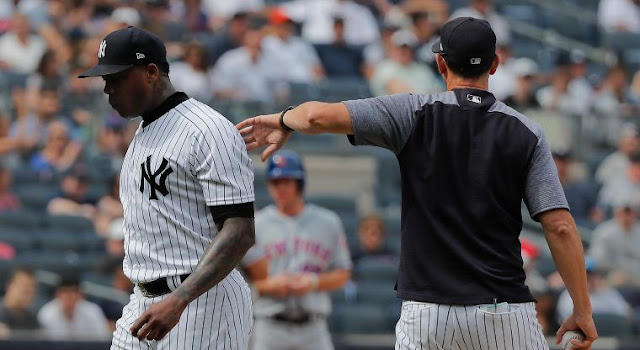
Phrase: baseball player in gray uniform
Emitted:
{"points": [[186, 186], [467, 161], [308, 256]]}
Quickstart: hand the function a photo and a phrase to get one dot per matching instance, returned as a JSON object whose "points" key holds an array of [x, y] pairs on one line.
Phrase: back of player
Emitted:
{"points": [[308, 257]]}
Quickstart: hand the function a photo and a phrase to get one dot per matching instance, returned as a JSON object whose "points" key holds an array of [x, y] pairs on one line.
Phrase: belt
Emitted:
{"points": [[299, 319], [158, 287]]}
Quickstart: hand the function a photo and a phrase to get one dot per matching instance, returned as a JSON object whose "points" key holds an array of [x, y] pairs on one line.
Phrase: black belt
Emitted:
{"points": [[158, 287], [301, 318]]}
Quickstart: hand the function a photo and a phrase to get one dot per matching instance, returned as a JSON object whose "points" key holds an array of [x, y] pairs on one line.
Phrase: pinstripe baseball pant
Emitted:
{"points": [[221, 318], [468, 327]]}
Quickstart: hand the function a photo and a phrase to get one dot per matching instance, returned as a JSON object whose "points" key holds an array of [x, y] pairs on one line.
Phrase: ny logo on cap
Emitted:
{"points": [[103, 47]]}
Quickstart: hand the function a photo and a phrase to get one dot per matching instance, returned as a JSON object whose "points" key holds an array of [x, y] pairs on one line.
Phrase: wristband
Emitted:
{"points": [[282, 124]]}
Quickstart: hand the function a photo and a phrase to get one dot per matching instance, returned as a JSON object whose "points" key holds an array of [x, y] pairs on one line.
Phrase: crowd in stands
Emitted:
{"points": [[61, 145]]}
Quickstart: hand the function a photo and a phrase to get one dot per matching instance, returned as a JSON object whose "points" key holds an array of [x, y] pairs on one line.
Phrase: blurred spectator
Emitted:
{"points": [[58, 152], [623, 185], [545, 298], [231, 37], [300, 58], [170, 27], [401, 73], [372, 240], [9, 202], [425, 28], [339, 58], [619, 15], [557, 95], [438, 10], [615, 243], [503, 82], [484, 9], [522, 97], [317, 18], [192, 15], [32, 128], [73, 198], [248, 73], [70, 316], [124, 16], [17, 308], [111, 144], [604, 299], [109, 209], [611, 102], [579, 85], [48, 74], [7, 252], [220, 12], [254, 266], [20, 51], [379, 50], [191, 73], [618, 162], [580, 194]]}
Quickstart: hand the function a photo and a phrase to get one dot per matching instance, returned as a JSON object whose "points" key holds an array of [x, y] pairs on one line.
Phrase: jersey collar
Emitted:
{"points": [[166, 105]]}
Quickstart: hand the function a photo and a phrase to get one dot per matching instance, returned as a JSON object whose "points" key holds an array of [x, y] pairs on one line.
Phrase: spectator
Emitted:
{"points": [[248, 73], [372, 240], [401, 73], [522, 98], [379, 50], [615, 243], [622, 185], [618, 162], [231, 37], [70, 316], [191, 73], [612, 102], [425, 27], [109, 209], [220, 12], [58, 153], [17, 308], [581, 196], [504, 81], [48, 74], [20, 51], [558, 97], [9, 202], [193, 16], [619, 15], [483, 9], [111, 144], [300, 58], [339, 58], [604, 299], [73, 198], [579, 84], [317, 18]]}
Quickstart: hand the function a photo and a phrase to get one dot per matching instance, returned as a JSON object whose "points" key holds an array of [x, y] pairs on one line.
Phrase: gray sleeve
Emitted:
{"points": [[543, 190], [385, 121], [341, 259]]}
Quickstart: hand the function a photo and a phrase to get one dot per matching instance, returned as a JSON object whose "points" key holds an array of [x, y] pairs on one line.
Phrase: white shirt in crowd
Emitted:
{"points": [[497, 22], [21, 57], [297, 55], [226, 9], [88, 321], [194, 83], [619, 15]]}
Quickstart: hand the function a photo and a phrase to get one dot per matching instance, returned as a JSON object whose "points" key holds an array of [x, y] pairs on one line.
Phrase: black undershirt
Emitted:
{"points": [[166, 105]]}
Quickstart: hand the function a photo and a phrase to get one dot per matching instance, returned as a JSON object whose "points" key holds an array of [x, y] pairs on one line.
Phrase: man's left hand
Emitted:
{"points": [[159, 319]]}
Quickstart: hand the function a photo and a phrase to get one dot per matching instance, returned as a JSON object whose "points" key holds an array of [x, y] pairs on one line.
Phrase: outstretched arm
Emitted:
{"points": [[308, 118], [233, 240]]}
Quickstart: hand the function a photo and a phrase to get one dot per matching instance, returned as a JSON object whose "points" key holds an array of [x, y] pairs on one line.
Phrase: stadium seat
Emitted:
{"points": [[610, 325], [359, 318], [55, 262], [21, 241], [376, 269], [377, 292], [23, 220], [60, 241], [340, 89], [35, 196], [341, 205], [69, 223]]}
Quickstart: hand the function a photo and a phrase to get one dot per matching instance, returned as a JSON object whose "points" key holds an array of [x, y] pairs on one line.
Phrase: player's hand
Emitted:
{"points": [[582, 323], [159, 319], [278, 285], [264, 130], [303, 284]]}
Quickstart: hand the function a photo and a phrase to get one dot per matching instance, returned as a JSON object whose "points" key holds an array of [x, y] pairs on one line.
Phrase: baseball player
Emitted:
{"points": [[467, 161], [186, 187], [308, 257]]}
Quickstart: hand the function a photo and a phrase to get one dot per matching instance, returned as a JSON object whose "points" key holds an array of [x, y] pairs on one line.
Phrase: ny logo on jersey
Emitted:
{"points": [[102, 49], [163, 170]]}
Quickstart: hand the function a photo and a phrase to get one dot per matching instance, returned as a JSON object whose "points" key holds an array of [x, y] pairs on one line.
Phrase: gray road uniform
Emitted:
{"points": [[314, 241]]}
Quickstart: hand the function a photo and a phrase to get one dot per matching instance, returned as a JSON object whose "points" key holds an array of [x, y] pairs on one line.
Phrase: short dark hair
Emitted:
{"points": [[469, 72], [68, 280]]}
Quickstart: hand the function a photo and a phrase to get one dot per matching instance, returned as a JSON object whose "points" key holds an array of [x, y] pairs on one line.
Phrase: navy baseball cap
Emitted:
{"points": [[467, 43], [285, 165], [126, 48]]}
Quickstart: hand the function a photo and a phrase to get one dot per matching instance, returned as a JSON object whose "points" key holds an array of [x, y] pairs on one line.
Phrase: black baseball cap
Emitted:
{"points": [[467, 43], [126, 48]]}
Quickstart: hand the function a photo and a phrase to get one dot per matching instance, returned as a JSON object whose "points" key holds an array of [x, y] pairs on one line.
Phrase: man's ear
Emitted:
{"points": [[495, 64], [153, 71], [442, 65]]}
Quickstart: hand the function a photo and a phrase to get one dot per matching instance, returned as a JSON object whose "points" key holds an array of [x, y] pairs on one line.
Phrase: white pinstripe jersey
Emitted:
{"points": [[175, 167]]}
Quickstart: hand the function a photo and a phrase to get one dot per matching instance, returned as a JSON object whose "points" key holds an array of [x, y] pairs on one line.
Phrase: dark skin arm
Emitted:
{"points": [[235, 237]]}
